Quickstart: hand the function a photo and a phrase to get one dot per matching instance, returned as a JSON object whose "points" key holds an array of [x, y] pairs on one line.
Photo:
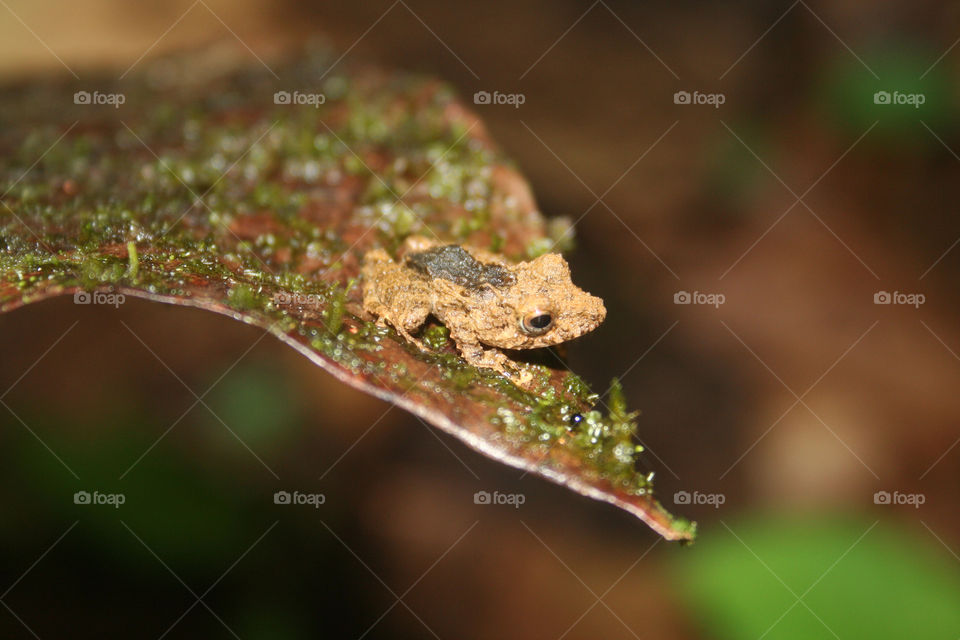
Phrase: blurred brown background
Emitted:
{"points": [[799, 199]]}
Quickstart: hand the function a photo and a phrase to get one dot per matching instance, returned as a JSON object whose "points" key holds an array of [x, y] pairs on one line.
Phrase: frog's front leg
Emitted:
{"points": [[409, 320], [489, 357]]}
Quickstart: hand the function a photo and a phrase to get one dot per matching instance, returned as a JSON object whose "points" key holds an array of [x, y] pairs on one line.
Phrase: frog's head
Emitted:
{"points": [[546, 307]]}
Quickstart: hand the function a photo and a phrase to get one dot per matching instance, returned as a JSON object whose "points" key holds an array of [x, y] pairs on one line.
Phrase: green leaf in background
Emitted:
{"points": [[259, 405], [847, 94], [856, 579]]}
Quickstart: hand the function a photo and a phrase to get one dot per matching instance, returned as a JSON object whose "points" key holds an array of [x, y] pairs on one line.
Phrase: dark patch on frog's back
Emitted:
{"points": [[452, 262]]}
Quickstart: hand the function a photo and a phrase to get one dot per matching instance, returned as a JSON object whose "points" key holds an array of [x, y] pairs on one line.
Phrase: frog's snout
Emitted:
{"points": [[598, 310], [595, 314], [584, 315]]}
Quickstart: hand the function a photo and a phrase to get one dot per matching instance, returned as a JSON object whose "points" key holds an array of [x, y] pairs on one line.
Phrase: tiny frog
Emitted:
{"points": [[486, 302]]}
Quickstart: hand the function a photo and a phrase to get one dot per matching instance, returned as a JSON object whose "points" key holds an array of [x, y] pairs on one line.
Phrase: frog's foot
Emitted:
{"points": [[386, 321], [521, 378], [495, 359]]}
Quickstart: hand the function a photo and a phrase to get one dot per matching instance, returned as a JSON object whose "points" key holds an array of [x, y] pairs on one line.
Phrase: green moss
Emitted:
{"points": [[243, 297], [576, 387], [100, 269], [539, 246], [335, 308], [608, 441], [133, 261], [618, 413], [561, 233], [436, 337]]}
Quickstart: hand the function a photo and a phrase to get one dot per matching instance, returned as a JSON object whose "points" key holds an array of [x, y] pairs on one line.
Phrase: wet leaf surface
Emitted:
{"points": [[203, 183]]}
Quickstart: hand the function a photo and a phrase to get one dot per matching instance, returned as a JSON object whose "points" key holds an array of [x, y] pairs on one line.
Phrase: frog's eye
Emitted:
{"points": [[536, 322]]}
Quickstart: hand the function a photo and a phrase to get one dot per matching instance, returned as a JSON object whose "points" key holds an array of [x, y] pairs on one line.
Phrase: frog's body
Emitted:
{"points": [[486, 302]]}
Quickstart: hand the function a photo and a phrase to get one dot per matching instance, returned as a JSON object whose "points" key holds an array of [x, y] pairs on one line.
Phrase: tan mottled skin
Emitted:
{"points": [[481, 321]]}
